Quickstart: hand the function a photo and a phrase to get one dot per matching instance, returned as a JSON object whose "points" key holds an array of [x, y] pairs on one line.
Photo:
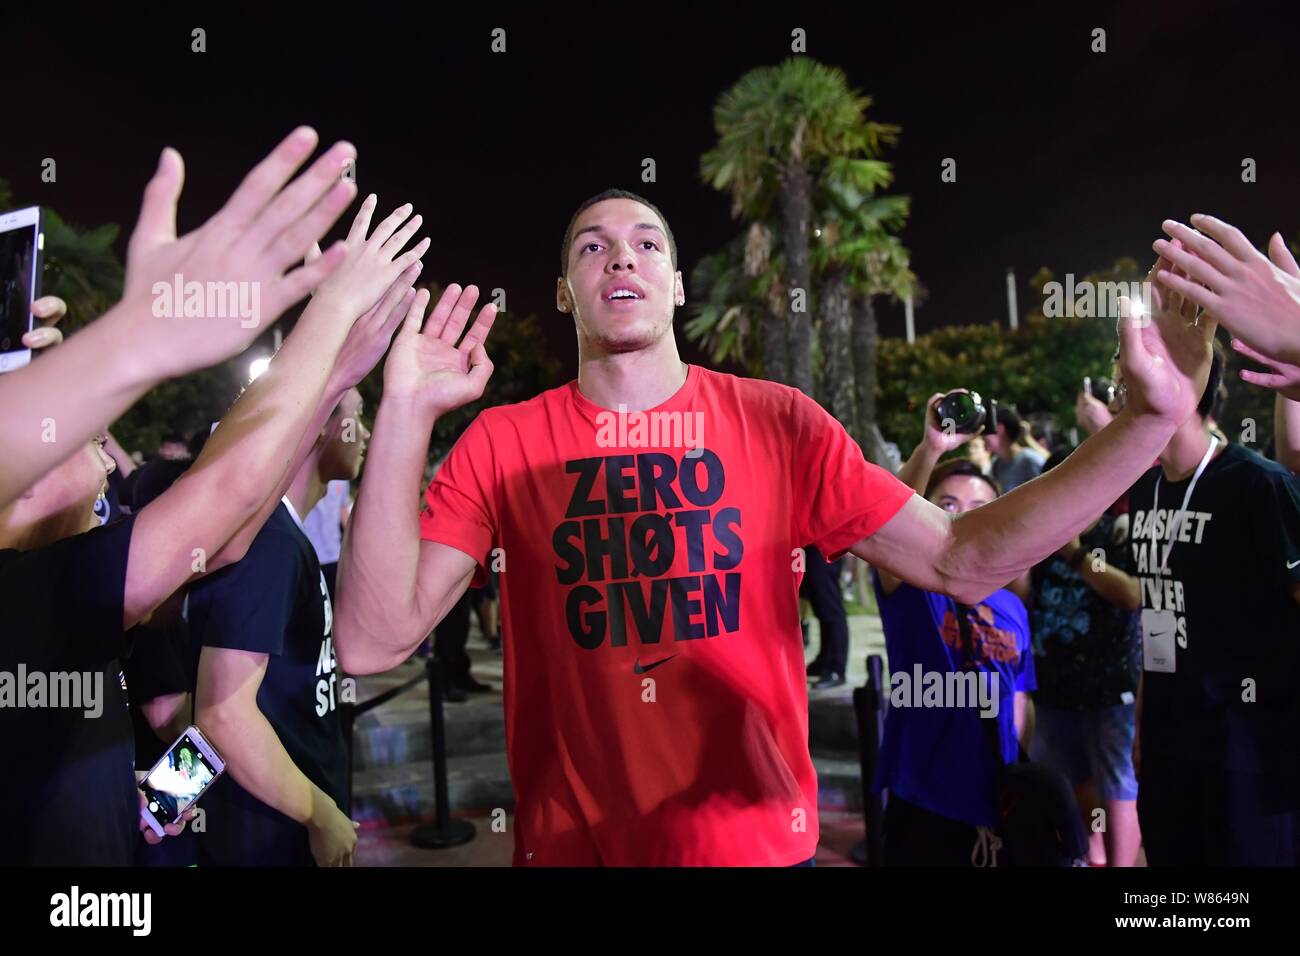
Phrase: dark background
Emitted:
{"points": [[1065, 158]]}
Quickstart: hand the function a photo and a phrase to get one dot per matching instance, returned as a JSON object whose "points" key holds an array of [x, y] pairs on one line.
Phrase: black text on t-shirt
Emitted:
{"points": [[600, 541]]}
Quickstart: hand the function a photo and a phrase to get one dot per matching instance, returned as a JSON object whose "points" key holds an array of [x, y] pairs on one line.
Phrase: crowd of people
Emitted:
{"points": [[655, 708], [1158, 643]]}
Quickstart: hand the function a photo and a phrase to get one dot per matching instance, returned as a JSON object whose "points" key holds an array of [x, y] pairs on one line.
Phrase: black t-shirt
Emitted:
{"points": [[1233, 700], [274, 602], [1087, 651], [157, 667], [150, 480], [69, 795]]}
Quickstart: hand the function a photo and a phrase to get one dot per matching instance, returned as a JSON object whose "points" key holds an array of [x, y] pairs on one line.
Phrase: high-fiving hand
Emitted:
{"points": [[427, 367], [254, 241], [1257, 297], [1165, 357], [371, 264]]}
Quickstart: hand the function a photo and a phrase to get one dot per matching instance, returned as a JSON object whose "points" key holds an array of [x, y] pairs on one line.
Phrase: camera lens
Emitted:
{"points": [[959, 412]]}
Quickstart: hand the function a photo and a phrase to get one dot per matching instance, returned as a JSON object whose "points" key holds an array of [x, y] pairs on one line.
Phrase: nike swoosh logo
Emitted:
{"points": [[649, 667], [1291, 564]]}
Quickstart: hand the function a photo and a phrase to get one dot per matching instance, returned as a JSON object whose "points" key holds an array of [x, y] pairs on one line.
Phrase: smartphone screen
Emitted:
{"points": [[19, 256], [177, 780]]}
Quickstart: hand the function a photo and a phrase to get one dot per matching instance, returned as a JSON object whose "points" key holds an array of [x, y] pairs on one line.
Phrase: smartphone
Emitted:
{"points": [[176, 781], [22, 241]]}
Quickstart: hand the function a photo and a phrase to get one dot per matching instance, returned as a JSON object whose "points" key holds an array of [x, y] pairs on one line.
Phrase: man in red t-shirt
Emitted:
{"points": [[647, 520]]}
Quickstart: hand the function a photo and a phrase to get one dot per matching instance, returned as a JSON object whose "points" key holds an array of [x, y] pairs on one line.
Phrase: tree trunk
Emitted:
{"points": [[796, 211], [865, 344], [776, 354], [835, 320]]}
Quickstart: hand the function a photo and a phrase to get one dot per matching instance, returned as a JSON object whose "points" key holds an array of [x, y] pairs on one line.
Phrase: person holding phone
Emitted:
{"points": [[71, 588]]}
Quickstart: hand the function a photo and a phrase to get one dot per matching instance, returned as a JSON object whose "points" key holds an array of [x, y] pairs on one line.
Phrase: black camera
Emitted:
{"points": [[965, 412]]}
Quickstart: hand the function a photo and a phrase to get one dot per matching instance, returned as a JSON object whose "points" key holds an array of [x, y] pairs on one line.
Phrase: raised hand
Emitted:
{"points": [[371, 265], [1258, 300], [1165, 357], [427, 367], [371, 335], [1091, 414], [1282, 377], [248, 248], [1285, 376]]}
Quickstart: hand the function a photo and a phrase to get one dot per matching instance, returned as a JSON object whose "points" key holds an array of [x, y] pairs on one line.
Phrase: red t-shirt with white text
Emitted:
{"points": [[656, 703]]}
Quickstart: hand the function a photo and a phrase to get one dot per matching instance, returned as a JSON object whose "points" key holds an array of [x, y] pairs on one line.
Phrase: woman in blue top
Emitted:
{"points": [[958, 696]]}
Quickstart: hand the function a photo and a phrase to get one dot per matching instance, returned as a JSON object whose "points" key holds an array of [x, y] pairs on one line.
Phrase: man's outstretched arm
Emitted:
{"points": [[1165, 361], [394, 588]]}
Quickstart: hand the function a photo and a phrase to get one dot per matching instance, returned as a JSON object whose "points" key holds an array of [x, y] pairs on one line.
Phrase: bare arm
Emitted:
{"points": [[969, 556], [248, 455], [227, 711], [1165, 361], [80, 387], [168, 715], [238, 480], [1111, 584], [371, 264], [1286, 432], [394, 588], [1024, 718]]}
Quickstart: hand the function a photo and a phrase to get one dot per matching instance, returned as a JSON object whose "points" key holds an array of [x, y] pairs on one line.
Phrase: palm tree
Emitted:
{"points": [[855, 258], [885, 272], [735, 291], [778, 127]]}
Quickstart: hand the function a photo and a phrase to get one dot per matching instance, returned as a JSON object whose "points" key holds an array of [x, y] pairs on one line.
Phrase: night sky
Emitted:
{"points": [[1065, 157]]}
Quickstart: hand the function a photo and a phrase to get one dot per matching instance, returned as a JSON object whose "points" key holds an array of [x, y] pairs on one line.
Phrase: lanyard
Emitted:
{"points": [[1182, 512]]}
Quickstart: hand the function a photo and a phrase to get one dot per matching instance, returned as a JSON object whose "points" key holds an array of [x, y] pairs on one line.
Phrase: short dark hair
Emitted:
{"points": [[1009, 418], [601, 197], [959, 466]]}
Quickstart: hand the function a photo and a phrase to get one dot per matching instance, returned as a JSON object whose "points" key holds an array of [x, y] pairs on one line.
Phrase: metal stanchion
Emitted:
{"points": [[444, 832], [347, 713], [868, 705]]}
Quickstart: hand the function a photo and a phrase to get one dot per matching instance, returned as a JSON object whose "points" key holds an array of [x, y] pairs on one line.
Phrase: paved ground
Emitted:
{"points": [[391, 846], [493, 846]]}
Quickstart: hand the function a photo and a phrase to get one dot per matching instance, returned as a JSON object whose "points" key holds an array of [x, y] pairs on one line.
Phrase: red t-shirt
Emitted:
{"points": [[656, 703]]}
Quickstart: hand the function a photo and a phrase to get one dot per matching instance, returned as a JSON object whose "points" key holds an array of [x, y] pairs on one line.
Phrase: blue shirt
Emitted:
{"points": [[937, 751]]}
